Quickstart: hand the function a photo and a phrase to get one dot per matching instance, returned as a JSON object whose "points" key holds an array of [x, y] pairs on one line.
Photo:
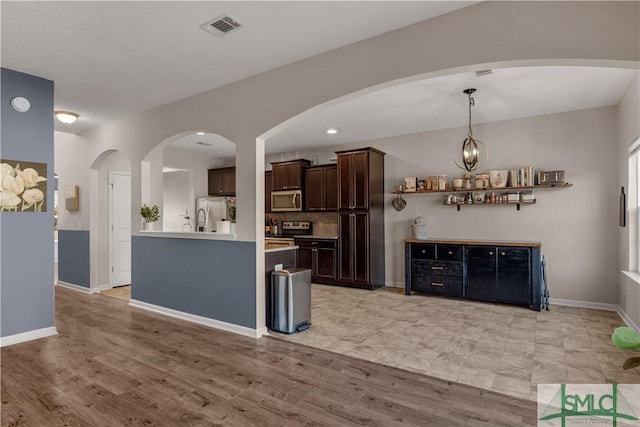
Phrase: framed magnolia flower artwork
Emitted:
{"points": [[23, 186]]}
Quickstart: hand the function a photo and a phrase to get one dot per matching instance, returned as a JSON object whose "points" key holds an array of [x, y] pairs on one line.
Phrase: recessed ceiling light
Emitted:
{"points": [[199, 133], [332, 131]]}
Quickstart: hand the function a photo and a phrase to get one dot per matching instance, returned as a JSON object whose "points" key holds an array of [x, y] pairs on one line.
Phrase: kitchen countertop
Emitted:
{"points": [[188, 235], [520, 243], [315, 237], [285, 248], [300, 236]]}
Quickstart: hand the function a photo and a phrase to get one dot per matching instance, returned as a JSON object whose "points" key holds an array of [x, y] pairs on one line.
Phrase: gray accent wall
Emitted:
{"points": [[73, 257], [26, 278], [210, 278]]}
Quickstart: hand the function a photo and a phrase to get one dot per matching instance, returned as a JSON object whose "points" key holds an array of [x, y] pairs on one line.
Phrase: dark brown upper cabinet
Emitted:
{"points": [[222, 182], [360, 177], [321, 188], [268, 187], [289, 175]]}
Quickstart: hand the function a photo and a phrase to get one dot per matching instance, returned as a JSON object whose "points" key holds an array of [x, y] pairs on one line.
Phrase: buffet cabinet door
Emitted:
{"points": [[481, 273]]}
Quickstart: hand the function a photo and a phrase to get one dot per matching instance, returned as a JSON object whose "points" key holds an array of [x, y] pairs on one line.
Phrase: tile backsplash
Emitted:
{"points": [[324, 223]]}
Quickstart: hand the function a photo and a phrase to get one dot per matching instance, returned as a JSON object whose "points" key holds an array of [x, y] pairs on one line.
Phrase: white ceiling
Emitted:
{"points": [[439, 103], [113, 59]]}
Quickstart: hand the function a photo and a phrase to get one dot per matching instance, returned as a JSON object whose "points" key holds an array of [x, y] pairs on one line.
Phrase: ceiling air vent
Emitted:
{"points": [[221, 25], [206, 144], [481, 73]]}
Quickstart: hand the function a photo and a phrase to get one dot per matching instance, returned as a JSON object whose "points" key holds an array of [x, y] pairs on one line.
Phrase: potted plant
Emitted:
{"points": [[149, 215], [627, 339]]}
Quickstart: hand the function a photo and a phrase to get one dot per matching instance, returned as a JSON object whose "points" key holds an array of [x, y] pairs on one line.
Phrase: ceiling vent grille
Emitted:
{"points": [[222, 25], [205, 144], [481, 73]]}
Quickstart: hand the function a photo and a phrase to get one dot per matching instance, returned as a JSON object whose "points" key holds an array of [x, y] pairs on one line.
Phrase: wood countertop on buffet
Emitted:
{"points": [[515, 243]]}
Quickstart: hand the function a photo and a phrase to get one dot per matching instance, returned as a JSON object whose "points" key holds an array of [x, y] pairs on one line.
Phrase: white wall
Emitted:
{"points": [[177, 196], [577, 226], [70, 153], [197, 163], [628, 131]]}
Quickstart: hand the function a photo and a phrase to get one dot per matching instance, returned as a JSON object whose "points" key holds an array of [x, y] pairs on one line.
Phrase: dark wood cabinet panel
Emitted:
{"points": [[514, 275], [482, 273], [221, 182], [331, 188], [289, 175], [325, 264], [321, 188], [320, 256], [305, 258], [353, 175], [510, 274], [314, 189], [354, 247], [360, 203], [268, 187]]}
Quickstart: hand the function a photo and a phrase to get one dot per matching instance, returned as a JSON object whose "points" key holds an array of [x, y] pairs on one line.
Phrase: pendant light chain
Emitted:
{"points": [[472, 102]]}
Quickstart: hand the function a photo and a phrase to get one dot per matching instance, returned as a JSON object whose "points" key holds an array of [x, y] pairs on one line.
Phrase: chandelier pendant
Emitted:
{"points": [[473, 151]]}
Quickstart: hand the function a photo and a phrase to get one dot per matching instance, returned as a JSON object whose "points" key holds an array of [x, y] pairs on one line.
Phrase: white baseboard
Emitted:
{"points": [[391, 284], [28, 336], [201, 320], [597, 306], [584, 304], [78, 288], [627, 320], [105, 287]]}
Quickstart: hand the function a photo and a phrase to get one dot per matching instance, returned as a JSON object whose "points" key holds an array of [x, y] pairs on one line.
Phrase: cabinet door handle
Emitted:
{"points": [[436, 284], [450, 252], [437, 268], [314, 243], [424, 251], [491, 253], [502, 253]]}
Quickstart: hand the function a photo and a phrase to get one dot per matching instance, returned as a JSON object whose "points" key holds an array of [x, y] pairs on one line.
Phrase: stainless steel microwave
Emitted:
{"points": [[286, 201]]}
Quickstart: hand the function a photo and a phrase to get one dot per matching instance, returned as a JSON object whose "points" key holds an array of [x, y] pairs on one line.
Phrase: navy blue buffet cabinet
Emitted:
{"points": [[497, 271]]}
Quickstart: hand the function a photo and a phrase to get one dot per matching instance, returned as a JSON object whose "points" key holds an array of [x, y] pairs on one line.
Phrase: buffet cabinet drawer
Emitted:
{"points": [[439, 252], [449, 252], [423, 251], [437, 268], [437, 285]]}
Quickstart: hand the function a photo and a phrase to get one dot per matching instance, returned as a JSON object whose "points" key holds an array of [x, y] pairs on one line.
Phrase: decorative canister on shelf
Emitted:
{"points": [[419, 229]]}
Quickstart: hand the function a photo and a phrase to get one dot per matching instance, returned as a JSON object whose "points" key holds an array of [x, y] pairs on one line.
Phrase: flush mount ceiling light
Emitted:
{"points": [[199, 133], [66, 117], [474, 152], [332, 131]]}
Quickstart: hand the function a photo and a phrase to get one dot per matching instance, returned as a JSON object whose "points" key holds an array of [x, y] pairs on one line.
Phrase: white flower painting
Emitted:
{"points": [[23, 186]]}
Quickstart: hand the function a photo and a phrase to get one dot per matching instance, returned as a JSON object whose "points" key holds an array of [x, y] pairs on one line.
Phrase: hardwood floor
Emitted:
{"points": [[114, 365]]}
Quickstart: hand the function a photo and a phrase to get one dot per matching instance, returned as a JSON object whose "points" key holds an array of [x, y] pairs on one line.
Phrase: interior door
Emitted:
{"points": [[120, 228]]}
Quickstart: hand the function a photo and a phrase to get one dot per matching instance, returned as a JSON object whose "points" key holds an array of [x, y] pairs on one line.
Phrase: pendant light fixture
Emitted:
{"points": [[66, 117], [473, 151]]}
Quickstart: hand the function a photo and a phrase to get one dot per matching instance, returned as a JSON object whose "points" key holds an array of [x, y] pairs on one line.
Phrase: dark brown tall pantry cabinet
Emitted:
{"points": [[361, 218]]}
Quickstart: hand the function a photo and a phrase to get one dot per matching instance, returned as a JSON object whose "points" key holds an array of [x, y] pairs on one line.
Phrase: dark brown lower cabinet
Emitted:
{"points": [[354, 266], [320, 256]]}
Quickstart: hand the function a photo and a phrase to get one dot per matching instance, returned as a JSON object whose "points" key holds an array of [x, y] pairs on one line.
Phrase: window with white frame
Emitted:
{"points": [[633, 206]]}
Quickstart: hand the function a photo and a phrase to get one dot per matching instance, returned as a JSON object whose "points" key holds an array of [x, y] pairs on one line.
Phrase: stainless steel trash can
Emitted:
{"points": [[291, 300]]}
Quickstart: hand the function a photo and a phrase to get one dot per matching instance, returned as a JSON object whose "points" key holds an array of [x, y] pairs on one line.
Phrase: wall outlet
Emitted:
{"points": [[278, 267]]}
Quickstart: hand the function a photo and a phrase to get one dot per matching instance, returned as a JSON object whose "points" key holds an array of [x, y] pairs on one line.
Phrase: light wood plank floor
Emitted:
{"points": [[499, 347], [114, 365], [120, 292]]}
